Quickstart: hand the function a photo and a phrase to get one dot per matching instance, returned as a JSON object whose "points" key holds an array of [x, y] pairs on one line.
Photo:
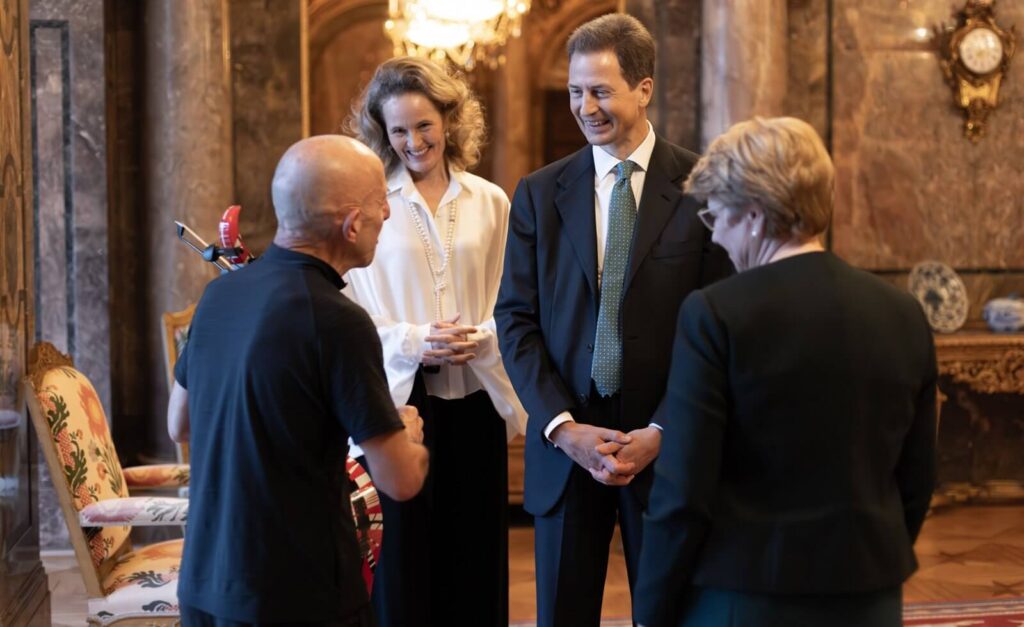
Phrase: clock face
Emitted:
{"points": [[981, 51]]}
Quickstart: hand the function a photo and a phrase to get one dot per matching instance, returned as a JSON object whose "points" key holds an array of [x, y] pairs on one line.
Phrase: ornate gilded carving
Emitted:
{"points": [[987, 362], [44, 357], [1004, 375]]}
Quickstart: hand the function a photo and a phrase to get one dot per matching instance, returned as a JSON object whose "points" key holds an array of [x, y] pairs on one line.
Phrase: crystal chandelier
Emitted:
{"points": [[461, 31]]}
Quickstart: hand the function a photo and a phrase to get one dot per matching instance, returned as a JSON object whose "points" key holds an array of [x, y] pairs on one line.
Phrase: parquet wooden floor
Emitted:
{"points": [[966, 552]]}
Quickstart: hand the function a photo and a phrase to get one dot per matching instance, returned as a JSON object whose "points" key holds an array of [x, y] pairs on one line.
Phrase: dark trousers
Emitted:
{"points": [[572, 541], [192, 617], [714, 607], [444, 554]]}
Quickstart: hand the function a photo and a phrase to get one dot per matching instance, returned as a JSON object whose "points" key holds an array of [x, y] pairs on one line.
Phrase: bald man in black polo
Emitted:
{"points": [[279, 371]]}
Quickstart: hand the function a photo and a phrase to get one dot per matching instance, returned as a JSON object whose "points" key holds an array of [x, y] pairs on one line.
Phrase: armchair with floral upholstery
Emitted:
{"points": [[125, 585]]}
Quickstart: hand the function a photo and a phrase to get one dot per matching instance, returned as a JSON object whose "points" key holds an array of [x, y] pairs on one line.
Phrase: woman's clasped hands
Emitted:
{"points": [[450, 343]]}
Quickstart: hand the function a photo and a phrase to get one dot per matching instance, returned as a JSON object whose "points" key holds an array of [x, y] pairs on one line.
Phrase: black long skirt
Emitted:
{"points": [[444, 554]]}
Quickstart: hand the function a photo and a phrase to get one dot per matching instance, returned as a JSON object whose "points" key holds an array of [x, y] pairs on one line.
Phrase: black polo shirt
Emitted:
{"points": [[281, 369]]}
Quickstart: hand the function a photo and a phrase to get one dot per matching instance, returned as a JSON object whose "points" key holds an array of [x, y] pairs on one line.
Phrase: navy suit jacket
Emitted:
{"points": [[547, 305]]}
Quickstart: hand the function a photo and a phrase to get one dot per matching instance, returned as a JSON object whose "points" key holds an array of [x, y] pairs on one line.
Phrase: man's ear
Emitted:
{"points": [[646, 87], [351, 225]]}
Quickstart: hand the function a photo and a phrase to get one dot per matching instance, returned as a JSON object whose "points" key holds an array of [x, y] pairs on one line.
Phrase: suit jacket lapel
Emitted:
{"points": [[661, 193], [575, 203]]}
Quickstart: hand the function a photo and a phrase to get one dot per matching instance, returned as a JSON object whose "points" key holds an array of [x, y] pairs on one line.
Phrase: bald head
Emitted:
{"points": [[319, 180]]}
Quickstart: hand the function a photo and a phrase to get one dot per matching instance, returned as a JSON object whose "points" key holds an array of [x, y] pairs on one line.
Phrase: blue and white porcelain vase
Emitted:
{"points": [[1004, 315]]}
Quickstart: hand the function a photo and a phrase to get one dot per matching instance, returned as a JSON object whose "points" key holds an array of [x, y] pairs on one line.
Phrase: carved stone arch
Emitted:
{"points": [[346, 43], [327, 18], [550, 51]]}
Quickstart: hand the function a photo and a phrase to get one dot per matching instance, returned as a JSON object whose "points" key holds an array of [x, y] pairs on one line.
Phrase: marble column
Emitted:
{"points": [[187, 161], [511, 144], [744, 62], [269, 103], [676, 26]]}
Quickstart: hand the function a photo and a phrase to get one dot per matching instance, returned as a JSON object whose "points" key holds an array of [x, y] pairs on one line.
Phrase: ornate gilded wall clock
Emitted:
{"points": [[974, 55]]}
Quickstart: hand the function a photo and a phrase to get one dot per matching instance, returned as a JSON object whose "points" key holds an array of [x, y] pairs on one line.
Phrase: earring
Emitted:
{"points": [[753, 233]]}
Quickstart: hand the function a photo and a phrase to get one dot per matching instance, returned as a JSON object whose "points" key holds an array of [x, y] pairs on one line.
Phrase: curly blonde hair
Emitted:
{"points": [[778, 163], [463, 116]]}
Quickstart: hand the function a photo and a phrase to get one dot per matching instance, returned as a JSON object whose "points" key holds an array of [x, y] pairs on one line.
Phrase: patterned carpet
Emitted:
{"points": [[1007, 612]]}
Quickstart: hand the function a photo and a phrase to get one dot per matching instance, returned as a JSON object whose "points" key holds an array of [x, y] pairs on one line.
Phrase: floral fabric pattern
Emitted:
{"points": [[144, 583], [79, 431], [144, 511]]}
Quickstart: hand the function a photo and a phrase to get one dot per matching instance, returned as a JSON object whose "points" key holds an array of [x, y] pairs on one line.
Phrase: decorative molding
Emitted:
{"points": [[44, 357], [547, 34], [327, 18], [989, 363]]}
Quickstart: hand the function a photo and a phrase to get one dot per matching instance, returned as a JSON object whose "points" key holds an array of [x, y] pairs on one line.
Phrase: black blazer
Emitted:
{"points": [[547, 305], [798, 454]]}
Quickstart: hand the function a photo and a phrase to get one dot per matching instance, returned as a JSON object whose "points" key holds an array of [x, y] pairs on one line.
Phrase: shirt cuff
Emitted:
{"points": [[560, 419], [656, 426], [415, 343]]}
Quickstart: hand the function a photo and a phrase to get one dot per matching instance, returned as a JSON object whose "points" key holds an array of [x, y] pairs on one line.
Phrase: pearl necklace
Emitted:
{"points": [[438, 270]]}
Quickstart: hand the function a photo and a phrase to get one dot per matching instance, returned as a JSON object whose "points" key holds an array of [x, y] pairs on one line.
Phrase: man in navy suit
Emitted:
{"points": [[602, 248]]}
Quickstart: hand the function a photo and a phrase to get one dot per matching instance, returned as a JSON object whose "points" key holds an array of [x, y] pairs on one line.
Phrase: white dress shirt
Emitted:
{"points": [[604, 180], [397, 289]]}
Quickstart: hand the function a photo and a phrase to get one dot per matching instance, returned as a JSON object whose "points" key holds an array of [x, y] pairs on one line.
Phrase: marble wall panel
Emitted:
{"points": [[71, 258], [676, 27], [267, 38], [909, 186], [807, 94], [83, 127], [54, 215]]}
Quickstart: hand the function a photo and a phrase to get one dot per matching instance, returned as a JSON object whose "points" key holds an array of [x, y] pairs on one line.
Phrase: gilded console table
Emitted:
{"points": [[989, 363]]}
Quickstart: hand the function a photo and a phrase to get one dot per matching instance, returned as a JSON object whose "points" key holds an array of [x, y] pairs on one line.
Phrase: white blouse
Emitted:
{"points": [[397, 289]]}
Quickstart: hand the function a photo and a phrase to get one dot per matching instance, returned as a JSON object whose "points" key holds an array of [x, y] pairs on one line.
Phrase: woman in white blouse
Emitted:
{"points": [[431, 292]]}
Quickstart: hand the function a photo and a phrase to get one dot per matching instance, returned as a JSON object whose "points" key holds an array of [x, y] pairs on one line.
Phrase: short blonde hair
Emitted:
{"points": [[779, 164], [459, 108]]}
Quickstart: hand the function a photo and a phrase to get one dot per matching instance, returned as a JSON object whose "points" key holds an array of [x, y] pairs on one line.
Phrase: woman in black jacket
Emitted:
{"points": [[797, 460]]}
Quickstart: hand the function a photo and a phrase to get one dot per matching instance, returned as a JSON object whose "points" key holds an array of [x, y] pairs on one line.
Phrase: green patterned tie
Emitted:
{"points": [[606, 369]]}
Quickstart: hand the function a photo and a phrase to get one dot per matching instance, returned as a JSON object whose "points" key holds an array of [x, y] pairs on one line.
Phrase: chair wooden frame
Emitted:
{"points": [[174, 322]]}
